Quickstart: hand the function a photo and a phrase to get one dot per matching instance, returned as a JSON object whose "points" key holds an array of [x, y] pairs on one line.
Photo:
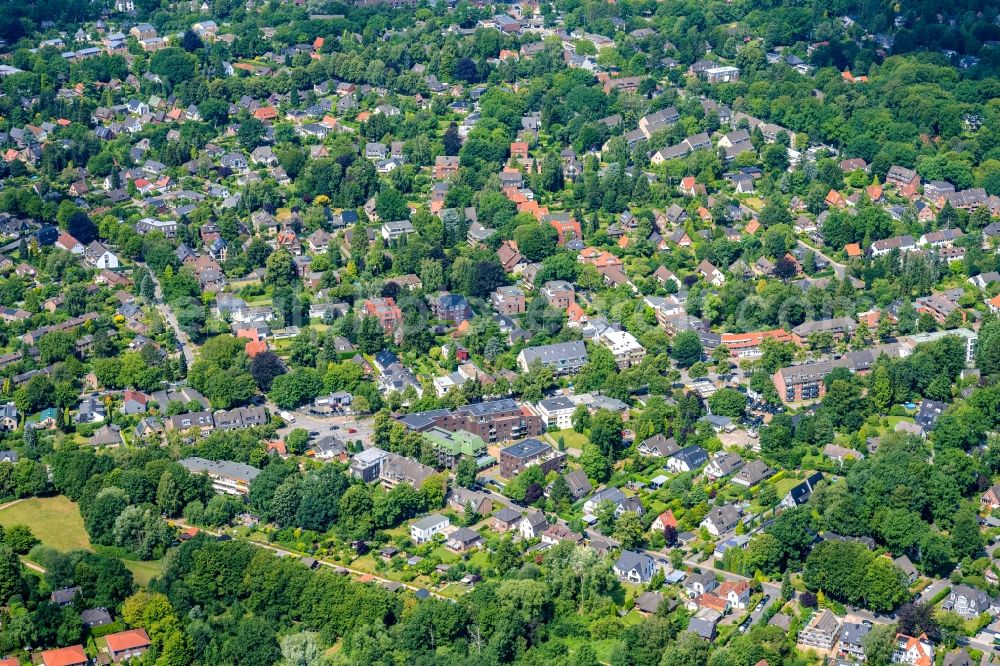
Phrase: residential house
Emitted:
{"points": [[578, 483], [127, 645], [989, 501], [701, 583], [914, 651], [557, 412], [424, 529], [624, 346], [65, 596], [99, 256], [710, 273], [622, 502], [663, 521], [558, 293], [736, 594], [506, 519], [752, 473], [396, 469], [396, 229], [649, 603], [8, 417], [800, 493], [68, 243], [703, 623], [632, 567], [389, 315], [451, 307], [723, 464], [445, 166], [134, 402], [508, 300], [967, 601], [658, 446], [959, 658], [367, 464], [851, 646], [450, 447], [721, 520], [906, 566], [688, 459], [91, 410], [463, 539], [73, 655], [532, 525], [887, 245], [821, 632]]}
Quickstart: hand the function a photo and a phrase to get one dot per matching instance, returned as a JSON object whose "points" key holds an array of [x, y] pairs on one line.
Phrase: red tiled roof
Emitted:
{"points": [[67, 656], [256, 347], [131, 639]]}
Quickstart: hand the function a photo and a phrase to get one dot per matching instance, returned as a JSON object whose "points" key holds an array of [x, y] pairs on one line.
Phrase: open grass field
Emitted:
{"points": [[57, 523], [573, 439], [143, 572]]}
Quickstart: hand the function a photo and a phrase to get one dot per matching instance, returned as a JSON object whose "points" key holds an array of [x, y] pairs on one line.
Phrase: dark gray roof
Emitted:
{"points": [[854, 632], [649, 602], [703, 626], [557, 402], [221, 467], [95, 617], [694, 456], [629, 560], [508, 515], [528, 448], [489, 407], [555, 352]]}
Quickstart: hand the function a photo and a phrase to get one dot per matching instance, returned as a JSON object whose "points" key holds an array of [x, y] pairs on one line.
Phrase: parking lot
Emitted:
{"points": [[348, 427]]}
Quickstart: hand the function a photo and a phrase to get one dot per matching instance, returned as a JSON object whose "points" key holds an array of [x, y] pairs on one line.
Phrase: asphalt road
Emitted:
{"points": [[840, 270], [187, 347], [322, 424]]}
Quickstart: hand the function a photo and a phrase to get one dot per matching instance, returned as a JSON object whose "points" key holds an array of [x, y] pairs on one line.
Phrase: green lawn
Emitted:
{"points": [[143, 572], [572, 438], [782, 486], [453, 590], [55, 521], [894, 420], [602, 648]]}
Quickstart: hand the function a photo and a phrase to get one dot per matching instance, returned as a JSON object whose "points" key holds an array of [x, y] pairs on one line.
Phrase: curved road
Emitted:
{"points": [[840, 270]]}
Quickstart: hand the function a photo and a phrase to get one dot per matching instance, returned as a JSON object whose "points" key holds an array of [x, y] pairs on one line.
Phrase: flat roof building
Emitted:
{"points": [[517, 457]]}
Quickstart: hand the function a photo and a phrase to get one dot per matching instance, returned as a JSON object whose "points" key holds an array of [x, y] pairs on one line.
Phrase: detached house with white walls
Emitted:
{"points": [[424, 529]]}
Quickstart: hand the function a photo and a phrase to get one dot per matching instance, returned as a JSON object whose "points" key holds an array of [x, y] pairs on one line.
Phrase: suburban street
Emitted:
{"points": [[183, 341], [840, 270]]}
